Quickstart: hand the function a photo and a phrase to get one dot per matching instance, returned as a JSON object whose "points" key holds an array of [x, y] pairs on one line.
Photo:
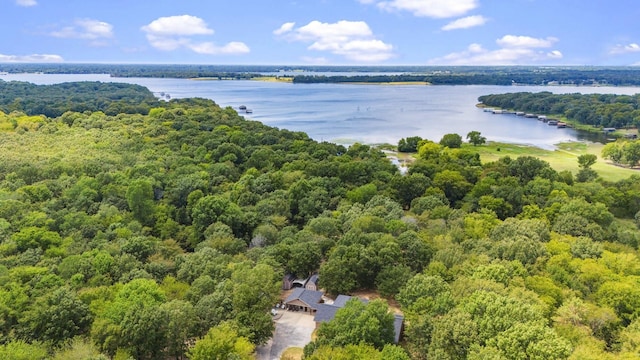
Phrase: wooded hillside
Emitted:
{"points": [[138, 235]]}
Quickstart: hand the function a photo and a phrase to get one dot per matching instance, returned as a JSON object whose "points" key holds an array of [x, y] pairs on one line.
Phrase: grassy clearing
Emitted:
{"points": [[286, 79], [565, 157], [292, 353]]}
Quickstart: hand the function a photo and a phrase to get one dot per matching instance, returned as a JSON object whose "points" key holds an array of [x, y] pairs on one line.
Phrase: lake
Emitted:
{"points": [[348, 113]]}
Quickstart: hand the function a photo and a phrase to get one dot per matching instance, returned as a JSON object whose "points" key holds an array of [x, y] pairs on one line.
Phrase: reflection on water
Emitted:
{"points": [[366, 113]]}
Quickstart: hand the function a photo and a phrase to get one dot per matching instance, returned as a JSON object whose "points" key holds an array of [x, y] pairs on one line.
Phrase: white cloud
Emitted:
{"points": [[514, 50], [178, 25], [427, 8], [465, 23], [285, 28], [178, 32], [34, 58], [210, 48], [352, 39], [624, 49], [87, 29], [26, 3], [512, 41]]}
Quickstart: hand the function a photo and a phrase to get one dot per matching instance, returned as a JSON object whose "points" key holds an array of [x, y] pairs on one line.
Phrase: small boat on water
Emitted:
{"points": [[561, 125], [242, 107], [519, 113], [553, 122], [249, 111]]}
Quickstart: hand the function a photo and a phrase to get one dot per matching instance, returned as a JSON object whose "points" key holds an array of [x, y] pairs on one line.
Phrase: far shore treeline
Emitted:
{"points": [[167, 232], [435, 75], [598, 110]]}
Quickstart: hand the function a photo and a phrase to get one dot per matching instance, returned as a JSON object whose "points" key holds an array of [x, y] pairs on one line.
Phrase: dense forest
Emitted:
{"points": [[599, 110], [436, 75], [166, 234], [493, 76], [54, 100]]}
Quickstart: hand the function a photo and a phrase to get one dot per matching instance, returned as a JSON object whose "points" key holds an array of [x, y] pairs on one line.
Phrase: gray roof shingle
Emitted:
{"points": [[310, 297]]}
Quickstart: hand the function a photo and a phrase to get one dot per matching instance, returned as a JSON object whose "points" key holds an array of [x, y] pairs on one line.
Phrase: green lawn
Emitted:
{"points": [[565, 157]]}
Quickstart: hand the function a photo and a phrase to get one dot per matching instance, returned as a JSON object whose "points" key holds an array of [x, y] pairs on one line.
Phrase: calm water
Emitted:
{"points": [[363, 113]]}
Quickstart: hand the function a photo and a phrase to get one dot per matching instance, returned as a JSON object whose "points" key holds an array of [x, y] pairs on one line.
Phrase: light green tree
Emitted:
{"points": [[222, 342]]}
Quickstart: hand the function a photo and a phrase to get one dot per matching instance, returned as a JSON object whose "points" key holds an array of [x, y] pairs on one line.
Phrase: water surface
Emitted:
{"points": [[346, 113]]}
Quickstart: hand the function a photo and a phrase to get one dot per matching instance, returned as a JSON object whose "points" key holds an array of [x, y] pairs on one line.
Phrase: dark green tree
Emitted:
{"points": [[475, 138], [452, 141], [57, 317], [409, 144], [359, 323]]}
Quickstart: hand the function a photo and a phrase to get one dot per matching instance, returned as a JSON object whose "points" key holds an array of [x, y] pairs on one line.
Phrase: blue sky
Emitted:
{"points": [[327, 32]]}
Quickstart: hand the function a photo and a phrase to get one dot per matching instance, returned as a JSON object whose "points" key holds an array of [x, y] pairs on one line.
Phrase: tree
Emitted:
{"points": [[613, 151], [57, 317], [222, 342], [409, 144], [585, 161], [631, 151], [213, 208], [391, 278], [426, 294], [531, 341], [132, 320], [475, 138], [255, 290], [495, 313], [452, 336], [20, 350], [338, 275], [180, 326], [140, 200], [453, 184], [585, 173], [359, 323], [408, 187], [451, 141], [35, 237], [304, 258]]}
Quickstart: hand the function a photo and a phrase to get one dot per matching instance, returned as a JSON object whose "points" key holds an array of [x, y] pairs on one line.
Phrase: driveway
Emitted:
{"points": [[293, 328]]}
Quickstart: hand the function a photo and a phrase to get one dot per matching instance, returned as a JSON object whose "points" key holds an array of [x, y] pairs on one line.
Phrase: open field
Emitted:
{"points": [[287, 79], [565, 157]]}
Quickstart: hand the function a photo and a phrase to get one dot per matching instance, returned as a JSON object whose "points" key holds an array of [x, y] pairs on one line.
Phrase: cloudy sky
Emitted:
{"points": [[331, 32]]}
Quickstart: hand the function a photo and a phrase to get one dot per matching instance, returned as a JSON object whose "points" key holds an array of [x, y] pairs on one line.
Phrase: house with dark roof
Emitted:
{"points": [[312, 283], [287, 281], [304, 299]]}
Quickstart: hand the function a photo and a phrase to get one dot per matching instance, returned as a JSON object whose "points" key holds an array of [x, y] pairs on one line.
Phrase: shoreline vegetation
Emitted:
{"points": [[564, 157], [435, 75], [609, 113]]}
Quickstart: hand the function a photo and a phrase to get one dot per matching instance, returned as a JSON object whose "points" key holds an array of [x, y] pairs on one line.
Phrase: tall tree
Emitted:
{"points": [[475, 138], [359, 323]]}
